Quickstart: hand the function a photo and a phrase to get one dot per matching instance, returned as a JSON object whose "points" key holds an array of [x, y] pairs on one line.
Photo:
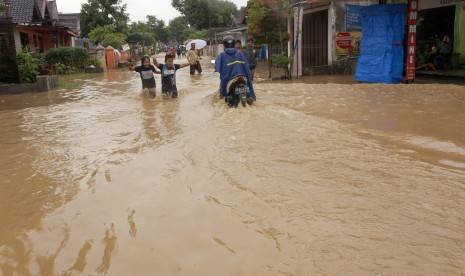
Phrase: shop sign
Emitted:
{"points": [[423, 5], [348, 43], [353, 18], [412, 17]]}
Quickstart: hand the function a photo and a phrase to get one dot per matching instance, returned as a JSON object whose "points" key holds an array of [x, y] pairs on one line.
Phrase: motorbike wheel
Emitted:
{"points": [[243, 100]]}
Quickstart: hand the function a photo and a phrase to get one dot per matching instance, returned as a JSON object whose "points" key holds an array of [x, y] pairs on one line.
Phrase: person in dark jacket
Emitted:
{"points": [[250, 55]]}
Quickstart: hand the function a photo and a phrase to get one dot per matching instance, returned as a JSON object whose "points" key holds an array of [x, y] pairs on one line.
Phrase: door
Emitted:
{"points": [[315, 39]]}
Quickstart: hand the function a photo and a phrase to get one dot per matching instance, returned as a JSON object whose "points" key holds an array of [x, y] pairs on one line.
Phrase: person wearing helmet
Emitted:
{"points": [[230, 64]]}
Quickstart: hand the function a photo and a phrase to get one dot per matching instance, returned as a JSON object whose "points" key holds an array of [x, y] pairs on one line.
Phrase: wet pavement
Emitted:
{"points": [[322, 176]]}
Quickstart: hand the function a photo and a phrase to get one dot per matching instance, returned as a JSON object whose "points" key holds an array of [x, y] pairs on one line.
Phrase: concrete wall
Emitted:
{"points": [[459, 37], [44, 83]]}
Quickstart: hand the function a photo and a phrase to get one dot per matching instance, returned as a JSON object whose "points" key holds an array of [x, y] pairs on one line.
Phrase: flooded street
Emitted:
{"points": [[320, 177]]}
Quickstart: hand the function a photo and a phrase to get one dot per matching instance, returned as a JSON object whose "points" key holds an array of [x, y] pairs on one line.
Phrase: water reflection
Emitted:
{"points": [[81, 262]]}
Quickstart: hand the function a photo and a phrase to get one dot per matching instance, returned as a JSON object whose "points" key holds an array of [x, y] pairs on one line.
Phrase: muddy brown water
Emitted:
{"points": [[321, 176]]}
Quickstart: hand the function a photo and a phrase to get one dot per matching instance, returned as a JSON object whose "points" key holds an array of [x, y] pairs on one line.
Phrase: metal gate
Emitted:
{"points": [[315, 39]]}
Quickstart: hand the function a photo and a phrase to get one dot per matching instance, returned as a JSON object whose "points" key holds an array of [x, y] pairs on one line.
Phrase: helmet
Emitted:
{"points": [[228, 42]]}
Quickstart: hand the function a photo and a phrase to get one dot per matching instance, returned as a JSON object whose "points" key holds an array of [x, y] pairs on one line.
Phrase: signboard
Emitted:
{"points": [[430, 4], [348, 43], [412, 16], [353, 22]]}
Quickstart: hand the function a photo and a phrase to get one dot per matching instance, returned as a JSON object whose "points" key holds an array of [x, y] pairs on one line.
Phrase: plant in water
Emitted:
{"points": [[343, 66], [283, 61]]}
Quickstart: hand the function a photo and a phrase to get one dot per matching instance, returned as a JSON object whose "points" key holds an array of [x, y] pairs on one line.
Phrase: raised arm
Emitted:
{"points": [[130, 66], [155, 62], [186, 64]]}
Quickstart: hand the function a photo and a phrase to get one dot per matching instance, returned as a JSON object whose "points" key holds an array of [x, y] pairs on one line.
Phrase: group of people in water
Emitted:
{"points": [[232, 62]]}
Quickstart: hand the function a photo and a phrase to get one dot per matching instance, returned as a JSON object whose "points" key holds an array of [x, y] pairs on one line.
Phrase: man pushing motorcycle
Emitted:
{"points": [[233, 68]]}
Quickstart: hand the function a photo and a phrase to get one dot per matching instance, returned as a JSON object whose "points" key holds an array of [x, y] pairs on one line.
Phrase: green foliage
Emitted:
{"points": [[93, 60], [267, 20], [63, 69], [115, 40], [98, 34], [205, 14], [73, 57], [107, 35], [157, 27], [98, 13], [343, 66], [28, 66], [199, 34], [178, 29], [139, 32], [283, 61]]}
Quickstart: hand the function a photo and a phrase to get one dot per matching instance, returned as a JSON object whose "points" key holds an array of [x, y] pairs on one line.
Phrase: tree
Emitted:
{"points": [[178, 29], [158, 28], [267, 22], [107, 35], [140, 32], [99, 13], [206, 14]]}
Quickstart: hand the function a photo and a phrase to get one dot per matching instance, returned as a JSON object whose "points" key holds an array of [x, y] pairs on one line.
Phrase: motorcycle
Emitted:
{"points": [[238, 92]]}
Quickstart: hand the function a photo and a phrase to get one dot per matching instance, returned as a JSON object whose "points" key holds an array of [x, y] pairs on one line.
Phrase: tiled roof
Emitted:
{"points": [[22, 10]]}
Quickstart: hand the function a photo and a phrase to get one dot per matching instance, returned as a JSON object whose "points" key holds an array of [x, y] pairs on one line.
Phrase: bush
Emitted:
{"points": [[74, 57], [344, 66], [282, 61], [63, 69], [28, 66], [93, 60]]}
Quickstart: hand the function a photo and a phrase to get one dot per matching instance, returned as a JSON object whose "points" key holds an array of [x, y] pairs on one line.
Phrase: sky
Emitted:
{"points": [[137, 9]]}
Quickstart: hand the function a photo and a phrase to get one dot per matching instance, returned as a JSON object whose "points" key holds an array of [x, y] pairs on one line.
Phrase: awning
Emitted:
{"points": [[63, 30]]}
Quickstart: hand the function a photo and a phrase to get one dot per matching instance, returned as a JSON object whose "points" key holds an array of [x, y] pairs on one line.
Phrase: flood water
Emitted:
{"points": [[320, 177]]}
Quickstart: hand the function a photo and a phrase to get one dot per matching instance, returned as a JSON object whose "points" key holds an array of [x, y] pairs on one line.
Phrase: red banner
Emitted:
{"points": [[411, 40]]}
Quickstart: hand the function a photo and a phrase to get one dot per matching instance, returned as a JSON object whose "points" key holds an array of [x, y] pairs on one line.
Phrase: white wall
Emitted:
{"points": [[17, 41]]}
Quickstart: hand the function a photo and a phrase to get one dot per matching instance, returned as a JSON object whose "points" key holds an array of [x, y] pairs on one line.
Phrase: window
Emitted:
{"points": [[24, 37]]}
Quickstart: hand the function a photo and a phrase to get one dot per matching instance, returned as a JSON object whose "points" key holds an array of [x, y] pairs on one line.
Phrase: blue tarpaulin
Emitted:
{"points": [[382, 53]]}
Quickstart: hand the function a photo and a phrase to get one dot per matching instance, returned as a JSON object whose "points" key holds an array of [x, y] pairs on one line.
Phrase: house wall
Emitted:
{"points": [[337, 17], [17, 41], [49, 40], [48, 44], [459, 37]]}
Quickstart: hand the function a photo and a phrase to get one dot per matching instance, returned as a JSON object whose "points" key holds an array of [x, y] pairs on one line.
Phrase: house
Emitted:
{"points": [[237, 28], [316, 24], [314, 28], [37, 26], [72, 21], [31, 25]]}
